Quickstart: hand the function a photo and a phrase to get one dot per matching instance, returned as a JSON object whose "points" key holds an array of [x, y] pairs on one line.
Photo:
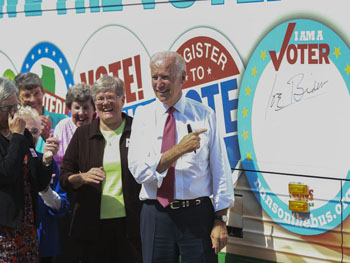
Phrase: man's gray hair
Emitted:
{"points": [[108, 83], [179, 61], [7, 88]]}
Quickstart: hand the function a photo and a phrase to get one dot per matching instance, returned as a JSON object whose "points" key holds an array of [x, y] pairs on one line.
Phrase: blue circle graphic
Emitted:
{"points": [[334, 211], [49, 51]]}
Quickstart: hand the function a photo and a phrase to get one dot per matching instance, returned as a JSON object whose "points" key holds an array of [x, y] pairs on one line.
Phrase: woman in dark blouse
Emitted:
{"points": [[22, 176]]}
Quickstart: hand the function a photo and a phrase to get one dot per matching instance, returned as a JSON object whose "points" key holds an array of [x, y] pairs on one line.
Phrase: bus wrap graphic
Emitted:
{"points": [[293, 109], [51, 65], [214, 69]]}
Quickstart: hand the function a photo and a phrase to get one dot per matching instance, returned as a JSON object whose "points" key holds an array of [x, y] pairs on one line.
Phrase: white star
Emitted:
{"points": [[53, 53], [33, 56], [209, 71], [60, 60], [39, 51], [46, 50]]}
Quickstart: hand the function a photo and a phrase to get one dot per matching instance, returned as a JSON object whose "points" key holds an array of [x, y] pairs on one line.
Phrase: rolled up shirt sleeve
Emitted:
{"points": [[223, 192]]}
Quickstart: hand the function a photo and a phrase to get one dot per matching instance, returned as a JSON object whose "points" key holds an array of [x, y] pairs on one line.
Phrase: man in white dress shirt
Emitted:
{"points": [[192, 169]]}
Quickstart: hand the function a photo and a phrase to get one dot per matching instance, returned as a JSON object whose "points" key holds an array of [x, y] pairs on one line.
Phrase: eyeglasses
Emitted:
{"points": [[10, 108], [100, 100]]}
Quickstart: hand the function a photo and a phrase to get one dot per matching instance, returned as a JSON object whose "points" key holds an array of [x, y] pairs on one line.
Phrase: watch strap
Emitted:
{"points": [[222, 218]]}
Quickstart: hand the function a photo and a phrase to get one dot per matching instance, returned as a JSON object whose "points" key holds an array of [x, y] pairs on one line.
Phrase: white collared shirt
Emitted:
{"points": [[204, 173]]}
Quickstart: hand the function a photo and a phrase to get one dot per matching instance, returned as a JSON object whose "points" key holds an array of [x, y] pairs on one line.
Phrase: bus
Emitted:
{"points": [[276, 73]]}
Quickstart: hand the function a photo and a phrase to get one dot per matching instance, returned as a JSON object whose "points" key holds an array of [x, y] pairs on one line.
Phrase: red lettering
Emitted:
{"points": [[311, 194], [277, 60], [290, 59], [54, 103], [131, 70], [323, 53], [101, 71], [90, 75], [312, 53], [114, 68], [128, 79], [302, 48], [138, 76], [83, 77], [298, 51]]}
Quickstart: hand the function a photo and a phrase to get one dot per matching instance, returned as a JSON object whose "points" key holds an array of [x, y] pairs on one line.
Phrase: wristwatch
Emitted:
{"points": [[222, 218]]}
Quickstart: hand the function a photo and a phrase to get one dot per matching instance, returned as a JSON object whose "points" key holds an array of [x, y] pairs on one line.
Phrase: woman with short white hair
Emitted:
{"points": [[53, 202]]}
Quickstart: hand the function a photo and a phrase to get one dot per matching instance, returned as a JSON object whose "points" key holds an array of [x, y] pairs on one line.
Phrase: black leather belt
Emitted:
{"points": [[176, 204]]}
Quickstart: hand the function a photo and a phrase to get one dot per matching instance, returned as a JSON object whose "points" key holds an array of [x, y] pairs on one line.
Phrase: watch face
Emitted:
{"points": [[222, 218]]}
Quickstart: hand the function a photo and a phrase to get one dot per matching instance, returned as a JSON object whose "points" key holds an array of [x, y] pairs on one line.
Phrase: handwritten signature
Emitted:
{"points": [[293, 92]]}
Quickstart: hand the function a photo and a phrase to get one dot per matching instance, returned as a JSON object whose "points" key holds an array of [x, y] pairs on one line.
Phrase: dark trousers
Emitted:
{"points": [[112, 245], [167, 234], [46, 260]]}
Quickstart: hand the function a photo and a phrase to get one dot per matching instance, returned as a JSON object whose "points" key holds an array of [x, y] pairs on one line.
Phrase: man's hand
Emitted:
{"points": [[218, 236], [191, 141], [45, 126], [16, 123], [93, 176]]}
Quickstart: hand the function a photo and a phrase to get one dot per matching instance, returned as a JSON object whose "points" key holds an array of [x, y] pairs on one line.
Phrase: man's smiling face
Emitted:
{"points": [[166, 81]]}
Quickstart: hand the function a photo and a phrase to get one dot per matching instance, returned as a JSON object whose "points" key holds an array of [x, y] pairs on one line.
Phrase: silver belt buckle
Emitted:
{"points": [[172, 205], [185, 203]]}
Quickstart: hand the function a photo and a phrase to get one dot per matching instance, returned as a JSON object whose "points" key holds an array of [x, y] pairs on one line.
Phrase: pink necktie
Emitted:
{"points": [[165, 193]]}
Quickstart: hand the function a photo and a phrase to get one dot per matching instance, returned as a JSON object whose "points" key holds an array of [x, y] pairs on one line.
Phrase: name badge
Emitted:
{"points": [[33, 152]]}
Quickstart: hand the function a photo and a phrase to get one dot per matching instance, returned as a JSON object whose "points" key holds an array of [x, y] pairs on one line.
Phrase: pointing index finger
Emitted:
{"points": [[197, 132]]}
